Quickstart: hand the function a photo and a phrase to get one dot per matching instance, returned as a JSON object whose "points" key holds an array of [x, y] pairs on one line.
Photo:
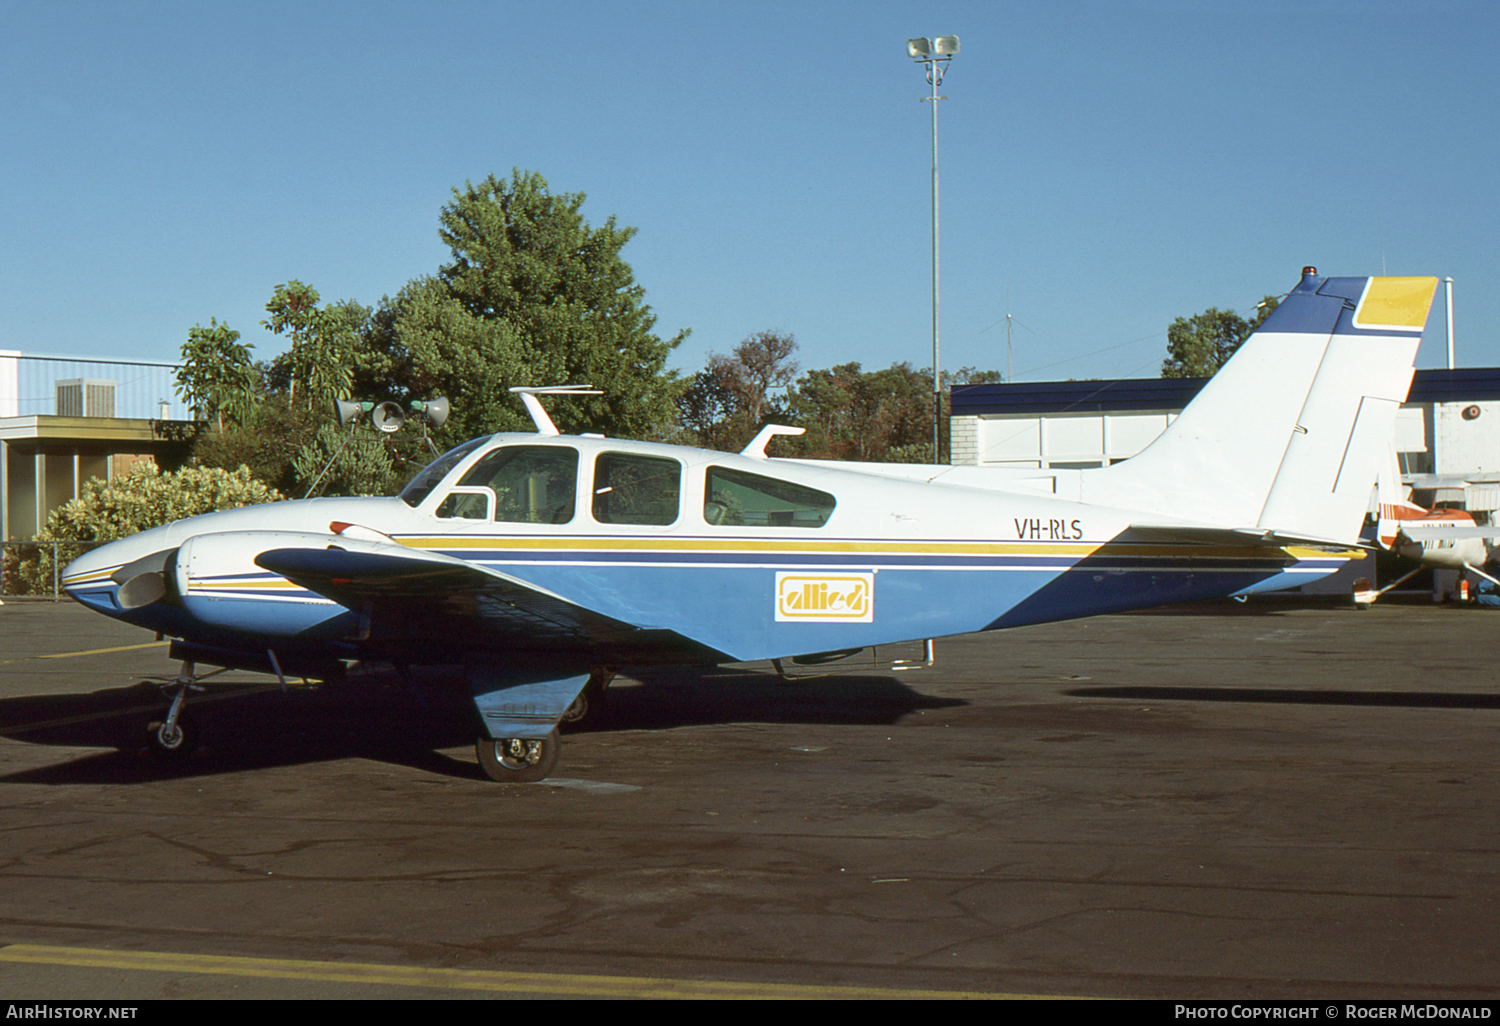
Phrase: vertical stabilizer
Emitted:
{"points": [[1288, 437]]}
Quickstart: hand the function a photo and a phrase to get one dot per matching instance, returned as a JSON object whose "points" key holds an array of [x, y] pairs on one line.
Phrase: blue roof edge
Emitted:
{"points": [[1126, 394]]}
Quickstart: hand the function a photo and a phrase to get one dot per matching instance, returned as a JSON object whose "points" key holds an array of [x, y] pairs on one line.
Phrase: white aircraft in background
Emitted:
{"points": [[543, 562], [1443, 539]]}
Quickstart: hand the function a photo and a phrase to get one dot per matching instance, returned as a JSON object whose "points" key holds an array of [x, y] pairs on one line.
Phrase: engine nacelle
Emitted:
{"points": [[219, 584]]}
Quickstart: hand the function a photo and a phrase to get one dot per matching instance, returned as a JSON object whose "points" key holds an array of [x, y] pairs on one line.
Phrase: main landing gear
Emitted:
{"points": [[518, 760], [525, 760]]}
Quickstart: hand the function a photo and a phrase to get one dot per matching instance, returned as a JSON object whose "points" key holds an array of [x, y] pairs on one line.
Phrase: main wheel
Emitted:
{"points": [[518, 760], [588, 701], [177, 743]]}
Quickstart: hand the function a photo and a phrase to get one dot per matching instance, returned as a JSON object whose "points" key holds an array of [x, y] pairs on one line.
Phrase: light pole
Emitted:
{"points": [[934, 55], [1449, 282]]}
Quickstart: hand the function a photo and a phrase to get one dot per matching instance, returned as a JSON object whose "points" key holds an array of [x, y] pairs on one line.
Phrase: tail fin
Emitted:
{"points": [[1288, 437], [1395, 507]]}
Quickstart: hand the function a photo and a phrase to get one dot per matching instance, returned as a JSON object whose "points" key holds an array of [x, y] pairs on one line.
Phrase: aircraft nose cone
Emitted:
{"points": [[87, 578], [94, 578], [92, 567]]}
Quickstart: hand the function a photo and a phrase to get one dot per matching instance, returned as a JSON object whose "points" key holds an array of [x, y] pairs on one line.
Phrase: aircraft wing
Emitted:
{"points": [[406, 594], [1437, 532]]}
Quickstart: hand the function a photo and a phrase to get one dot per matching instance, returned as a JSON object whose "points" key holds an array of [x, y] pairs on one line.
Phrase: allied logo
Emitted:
{"points": [[825, 598]]}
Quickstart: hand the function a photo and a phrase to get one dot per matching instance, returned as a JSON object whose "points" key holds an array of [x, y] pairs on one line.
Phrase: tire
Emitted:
{"points": [[179, 745], [518, 760]]}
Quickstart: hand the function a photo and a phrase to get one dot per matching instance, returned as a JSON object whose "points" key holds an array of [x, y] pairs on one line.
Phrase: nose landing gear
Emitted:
{"points": [[175, 735]]}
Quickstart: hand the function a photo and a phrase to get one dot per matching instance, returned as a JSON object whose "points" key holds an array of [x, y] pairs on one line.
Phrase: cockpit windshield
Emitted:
{"points": [[428, 477]]}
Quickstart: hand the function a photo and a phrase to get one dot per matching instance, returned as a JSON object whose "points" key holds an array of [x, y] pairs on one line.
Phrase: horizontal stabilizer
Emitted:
{"points": [[1438, 532], [1231, 536]]}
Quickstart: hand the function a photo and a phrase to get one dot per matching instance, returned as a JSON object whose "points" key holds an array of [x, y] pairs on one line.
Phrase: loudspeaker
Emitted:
{"points": [[436, 411], [388, 417], [347, 412]]}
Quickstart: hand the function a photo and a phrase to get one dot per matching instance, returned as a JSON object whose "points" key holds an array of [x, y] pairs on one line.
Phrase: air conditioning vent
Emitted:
{"points": [[85, 397]]}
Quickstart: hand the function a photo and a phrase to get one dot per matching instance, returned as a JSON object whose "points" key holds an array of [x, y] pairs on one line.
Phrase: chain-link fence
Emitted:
{"points": [[33, 569]]}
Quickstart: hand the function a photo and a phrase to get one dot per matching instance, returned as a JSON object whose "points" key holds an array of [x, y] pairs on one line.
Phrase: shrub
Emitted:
{"points": [[143, 498]]}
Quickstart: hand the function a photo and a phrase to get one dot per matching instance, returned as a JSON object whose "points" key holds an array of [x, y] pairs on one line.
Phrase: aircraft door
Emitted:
{"points": [[518, 484]]}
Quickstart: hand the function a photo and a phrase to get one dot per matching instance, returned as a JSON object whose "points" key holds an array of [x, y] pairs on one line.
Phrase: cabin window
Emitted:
{"points": [[466, 504], [428, 478], [735, 498], [522, 484], [632, 489]]}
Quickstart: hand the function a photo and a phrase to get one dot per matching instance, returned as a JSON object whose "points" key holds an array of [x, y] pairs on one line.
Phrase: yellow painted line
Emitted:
{"points": [[462, 979], [89, 652]]}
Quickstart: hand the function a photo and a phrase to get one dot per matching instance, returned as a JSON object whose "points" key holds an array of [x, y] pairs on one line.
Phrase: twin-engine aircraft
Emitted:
{"points": [[543, 562]]}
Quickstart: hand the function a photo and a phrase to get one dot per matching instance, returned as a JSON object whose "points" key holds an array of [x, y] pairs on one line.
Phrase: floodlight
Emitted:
{"points": [[945, 46], [917, 49]]}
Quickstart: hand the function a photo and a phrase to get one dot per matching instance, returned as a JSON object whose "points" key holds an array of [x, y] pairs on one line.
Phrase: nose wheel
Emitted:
{"points": [[518, 760], [175, 736], [173, 740]]}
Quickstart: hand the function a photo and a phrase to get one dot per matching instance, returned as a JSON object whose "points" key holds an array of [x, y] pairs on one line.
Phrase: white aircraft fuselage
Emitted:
{"points": [[540, 561], [894, 560]]}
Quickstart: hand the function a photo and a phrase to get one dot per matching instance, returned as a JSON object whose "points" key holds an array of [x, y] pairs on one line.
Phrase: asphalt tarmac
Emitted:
{"points": [[1219, 801]]}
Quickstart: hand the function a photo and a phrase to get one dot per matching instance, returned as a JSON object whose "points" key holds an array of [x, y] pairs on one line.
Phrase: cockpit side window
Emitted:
{"points": [[421, 486], [633, 489], [529, 484], [735, 498]]}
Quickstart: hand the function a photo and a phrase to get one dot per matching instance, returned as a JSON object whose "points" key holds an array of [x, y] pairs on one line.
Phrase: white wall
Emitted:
{"points": [[10, 387], [1057, 440]]}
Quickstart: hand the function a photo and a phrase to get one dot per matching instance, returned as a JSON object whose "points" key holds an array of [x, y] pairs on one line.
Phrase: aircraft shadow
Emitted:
{"points": [[378, 716], [1297, 696]]}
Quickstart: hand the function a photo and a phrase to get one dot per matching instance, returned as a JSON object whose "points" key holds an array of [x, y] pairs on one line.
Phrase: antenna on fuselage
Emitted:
{"points": [[528, 394], [757, 447]]}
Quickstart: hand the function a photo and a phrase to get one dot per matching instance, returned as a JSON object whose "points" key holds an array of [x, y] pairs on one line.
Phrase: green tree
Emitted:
{"points": [[276, 412], [762, 362], [853, 414], [424, 344], [971, 376], [267, 443], [527, 258], [707, 407], [217, 377], [727, 402], [533, 295], [324, 344], [1198, 346], [347, 461]]}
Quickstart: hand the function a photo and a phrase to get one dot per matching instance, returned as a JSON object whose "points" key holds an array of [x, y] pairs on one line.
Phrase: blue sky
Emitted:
{"points": [[1105, 166]]}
